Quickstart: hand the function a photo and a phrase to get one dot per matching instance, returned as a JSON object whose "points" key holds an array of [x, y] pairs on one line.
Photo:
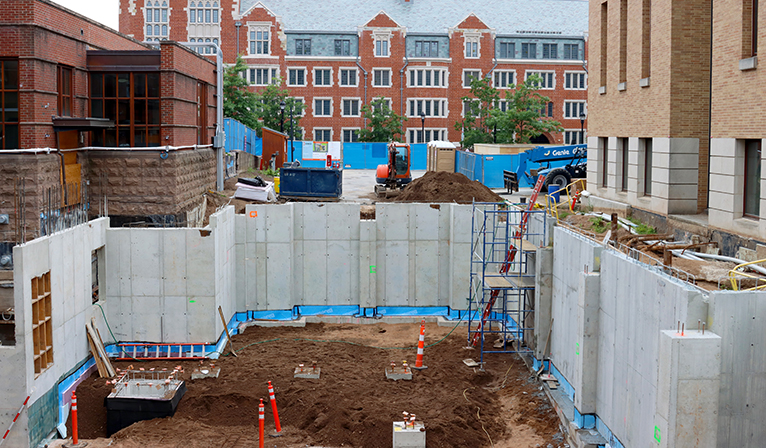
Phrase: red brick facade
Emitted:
{"points": [[398, 65]]}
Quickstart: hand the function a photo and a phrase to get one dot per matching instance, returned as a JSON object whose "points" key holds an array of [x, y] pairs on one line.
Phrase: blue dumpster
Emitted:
{"points": [[310, 183]]}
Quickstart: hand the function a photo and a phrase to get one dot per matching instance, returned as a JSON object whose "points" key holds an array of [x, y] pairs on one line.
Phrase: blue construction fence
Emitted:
{"points": [[241, 138], [488, 168]]}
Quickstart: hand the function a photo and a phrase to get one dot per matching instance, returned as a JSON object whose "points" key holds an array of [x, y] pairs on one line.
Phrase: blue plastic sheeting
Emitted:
{"points": [[584, 421], [65, 388], [314, 310], [367, 156], [241, 138], [488, 168], [564, 384], [270, 315]]}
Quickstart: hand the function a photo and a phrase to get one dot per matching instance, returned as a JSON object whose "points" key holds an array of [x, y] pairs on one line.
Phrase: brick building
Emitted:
{"points": [[71, 86], [675, 114], [418, 54]]}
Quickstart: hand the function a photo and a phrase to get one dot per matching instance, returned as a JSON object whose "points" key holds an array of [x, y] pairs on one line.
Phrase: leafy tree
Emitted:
{"points": [[238, 100], [383, 124], [268, 109], [522, 119]]}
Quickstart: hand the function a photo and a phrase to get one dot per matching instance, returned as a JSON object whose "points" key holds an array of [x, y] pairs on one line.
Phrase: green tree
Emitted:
{"points": [[383, 124], [238, 100], [268, 109], [485, 122]]}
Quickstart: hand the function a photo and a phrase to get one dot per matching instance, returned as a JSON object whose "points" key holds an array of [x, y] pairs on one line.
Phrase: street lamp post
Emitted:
{"points": [[423, 126], [292, 134], [582, 127], [282, 121]]}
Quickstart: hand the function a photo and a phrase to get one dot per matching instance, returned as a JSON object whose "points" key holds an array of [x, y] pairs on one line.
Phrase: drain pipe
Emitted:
{"points": [[401, 85], [364, 119]]}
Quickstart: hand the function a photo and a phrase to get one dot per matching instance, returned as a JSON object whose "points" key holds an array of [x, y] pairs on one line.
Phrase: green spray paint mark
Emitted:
{"points": [[192, 301], [372, 269], [657, 434], [577, 348]]}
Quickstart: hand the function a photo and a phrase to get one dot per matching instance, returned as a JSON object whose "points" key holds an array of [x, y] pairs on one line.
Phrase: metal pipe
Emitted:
{"points": [[364, 72], [401, 85], [731, 259]]}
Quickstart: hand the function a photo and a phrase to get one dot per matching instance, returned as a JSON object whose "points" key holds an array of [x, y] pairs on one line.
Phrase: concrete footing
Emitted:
{"points": [[410, 437], [310, 373], [205, 372], [398, 374]]}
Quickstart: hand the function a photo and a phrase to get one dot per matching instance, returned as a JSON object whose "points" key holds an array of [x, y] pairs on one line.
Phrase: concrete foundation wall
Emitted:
{"points": [[323, 254], [67, 255]]}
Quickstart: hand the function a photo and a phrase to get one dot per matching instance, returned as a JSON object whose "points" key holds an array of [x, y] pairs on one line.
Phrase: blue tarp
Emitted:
{"points": [[241, 138]]}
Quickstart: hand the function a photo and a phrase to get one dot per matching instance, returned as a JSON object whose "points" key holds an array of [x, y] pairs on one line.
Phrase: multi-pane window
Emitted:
{"points": [[573, 137], [426, 49], [322, 135], [547, 110], [381, 45], [9, 107], [302, 47], [382, 105], [502, 105], [322, 77], [507, 50], [418, 135], [350, 135], [428, 107], [65, 91], [546, 79], [647, 144], [574, 81], [752, 199], [259, 40], [550, 51], [42, 327], [504, 78], [469, 75], [350, 108], [471, 46], [571, 51], [470, 107], [322, 107], [381, 78], [156, 20], [342, 47], [573, 109], [347, 77], [206, 12], [262, 76], [528, 50], [132, 102], [427, 77], [296, 77], [204, 49]]}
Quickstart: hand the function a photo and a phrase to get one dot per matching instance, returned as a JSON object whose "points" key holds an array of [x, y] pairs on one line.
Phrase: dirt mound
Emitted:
{"points": [[441, 186]]}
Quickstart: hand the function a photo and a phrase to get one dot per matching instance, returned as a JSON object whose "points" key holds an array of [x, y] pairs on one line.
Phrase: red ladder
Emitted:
{"points": [[509, 257]]}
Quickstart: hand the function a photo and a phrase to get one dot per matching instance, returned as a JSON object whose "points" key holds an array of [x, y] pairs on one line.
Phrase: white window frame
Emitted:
{"points": [[576, 117], [343, 132], [270, 68], [472, 38], [568, 133], [314, 105], [314, 77], [358, 107], [462, 105], [348, 69], [540, 72], [255, 28], [305, 107], [210, 9], [153, 16], [441, 72], [577, 56], [578, 74], [305, 77], [542, 50], [462, 78], [390, 77], [494, 78], [443, 134], [513, 44], [390, 103], [381, 36], [443, 103], [314, 134]]}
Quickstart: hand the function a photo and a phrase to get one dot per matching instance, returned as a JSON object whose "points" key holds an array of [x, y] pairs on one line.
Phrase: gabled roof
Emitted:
{"points": [[565, 17]]}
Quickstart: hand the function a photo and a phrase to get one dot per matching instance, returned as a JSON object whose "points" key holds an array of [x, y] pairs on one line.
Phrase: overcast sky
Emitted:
{"points": [[104, 11]]}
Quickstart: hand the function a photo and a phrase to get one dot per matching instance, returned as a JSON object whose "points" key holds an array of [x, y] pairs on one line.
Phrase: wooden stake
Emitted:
{"points": [[226, 329]]}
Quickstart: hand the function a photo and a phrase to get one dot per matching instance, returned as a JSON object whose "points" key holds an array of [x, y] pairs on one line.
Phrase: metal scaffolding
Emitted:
{"points": [[501, 305]]}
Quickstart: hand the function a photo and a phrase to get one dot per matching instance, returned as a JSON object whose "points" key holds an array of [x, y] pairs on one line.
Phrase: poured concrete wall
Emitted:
{"points": [[323, 254], [67, 255], [165, 285]]}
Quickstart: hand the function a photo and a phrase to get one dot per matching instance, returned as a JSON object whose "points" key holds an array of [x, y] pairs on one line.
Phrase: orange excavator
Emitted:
{"points": [[396, 174]]}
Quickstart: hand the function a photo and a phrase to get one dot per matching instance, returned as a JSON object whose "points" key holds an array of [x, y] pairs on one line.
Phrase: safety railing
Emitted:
{"points": [[735, 273], [572, 190]]}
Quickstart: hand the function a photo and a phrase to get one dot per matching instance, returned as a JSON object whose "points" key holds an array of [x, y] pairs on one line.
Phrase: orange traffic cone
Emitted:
{"points": [[421, 342]]}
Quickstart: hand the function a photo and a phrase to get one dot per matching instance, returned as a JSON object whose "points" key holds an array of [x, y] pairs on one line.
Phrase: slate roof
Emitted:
{"points": [[558, 17]]}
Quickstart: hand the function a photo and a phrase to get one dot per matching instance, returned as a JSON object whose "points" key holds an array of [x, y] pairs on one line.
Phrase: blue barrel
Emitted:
{"points": [[554, 193]]}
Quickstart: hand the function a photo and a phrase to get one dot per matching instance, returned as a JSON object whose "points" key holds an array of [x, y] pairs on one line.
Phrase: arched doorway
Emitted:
{"points": [[541, 139]]}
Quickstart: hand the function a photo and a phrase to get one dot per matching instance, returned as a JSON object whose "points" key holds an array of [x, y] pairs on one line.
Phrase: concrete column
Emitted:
{"points": [[367, 265], [688, 382], [543, 299], [586, 347]]}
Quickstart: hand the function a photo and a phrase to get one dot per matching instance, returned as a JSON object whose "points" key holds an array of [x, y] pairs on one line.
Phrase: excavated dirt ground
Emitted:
{"points": [[441, 186], [352, 405]]}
